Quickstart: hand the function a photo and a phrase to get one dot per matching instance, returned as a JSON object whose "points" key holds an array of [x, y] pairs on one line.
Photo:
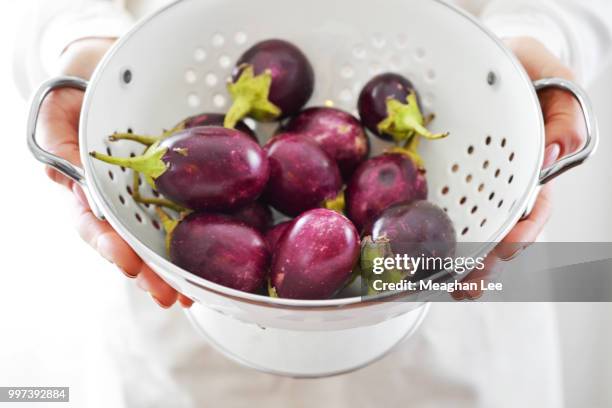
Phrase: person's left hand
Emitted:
{"points": [[565, 133]]}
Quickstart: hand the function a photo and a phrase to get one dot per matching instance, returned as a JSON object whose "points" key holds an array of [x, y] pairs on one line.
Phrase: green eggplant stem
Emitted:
{"points": [[150, 164]]}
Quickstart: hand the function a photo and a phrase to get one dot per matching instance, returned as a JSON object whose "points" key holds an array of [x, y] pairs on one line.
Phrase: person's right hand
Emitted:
{"points": [[58, 134]]}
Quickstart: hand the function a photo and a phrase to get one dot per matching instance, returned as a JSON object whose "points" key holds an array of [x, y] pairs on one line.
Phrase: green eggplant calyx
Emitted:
{"points": [[250, 95]]}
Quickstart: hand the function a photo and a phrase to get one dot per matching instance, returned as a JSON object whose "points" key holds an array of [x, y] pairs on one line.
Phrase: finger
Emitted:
{"points": [[564, 121], [100, 236], [477, 276], [527, 230], [58, 129], [185, 301], [163, 294]]}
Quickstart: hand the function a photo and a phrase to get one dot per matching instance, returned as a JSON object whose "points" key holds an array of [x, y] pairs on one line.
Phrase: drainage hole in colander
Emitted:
{"points": [[445, 190], [491, 196], [138, 217], [511, 179], [211, 79], [463, 200], [481, 188], [347, 72], [155, 224], [155, 193], [401, 41], [378, 41], [468, 178], [474, 209], [483, 223], [199, 55], [108, 151], [129, 190], [445, 209], [225, 61], [511, 156], [503, 142], [126, 76], [455, 168], [420, 53], [345, 95], [218, 40], [488, 140], [121, 199], [111, 175], [430, 74], [491, 78], [485, 165], [497, 173], [193, 100], [501, 202], [470, 150], [240, 38], [219, 100], [190, 76], [359, 52], [465, 231]]}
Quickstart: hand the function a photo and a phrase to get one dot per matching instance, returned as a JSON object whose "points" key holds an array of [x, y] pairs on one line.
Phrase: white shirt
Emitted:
{"points": [[464, 355]]}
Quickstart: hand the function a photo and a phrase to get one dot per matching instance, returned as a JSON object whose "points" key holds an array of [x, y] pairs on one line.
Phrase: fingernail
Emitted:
{"points": [[551, 154], [159, 303], [80, 195]]}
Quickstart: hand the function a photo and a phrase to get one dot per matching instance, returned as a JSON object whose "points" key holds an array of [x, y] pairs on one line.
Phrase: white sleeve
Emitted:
{"points": [[577, 31], [50, 26]]}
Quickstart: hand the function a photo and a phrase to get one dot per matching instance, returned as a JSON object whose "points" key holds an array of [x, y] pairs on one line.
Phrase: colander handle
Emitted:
{"points": [[62, 165], [592, 130]]}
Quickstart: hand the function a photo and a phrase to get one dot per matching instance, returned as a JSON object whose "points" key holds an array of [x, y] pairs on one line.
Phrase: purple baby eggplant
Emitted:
{"points": [[381, 182], [315, 256], [256, 215], [271, 80], [389, 107], [203, 168], [202, 119], [338, 133], [417, 229], [302, 176], [275, 233], [221, 250]]}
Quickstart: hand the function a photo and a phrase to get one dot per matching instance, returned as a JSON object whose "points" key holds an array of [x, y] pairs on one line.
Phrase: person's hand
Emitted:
{"points": [[565, 133], [58, 134]]}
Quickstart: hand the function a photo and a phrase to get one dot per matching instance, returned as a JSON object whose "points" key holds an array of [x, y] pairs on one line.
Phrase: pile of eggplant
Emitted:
{"points": [[337, 201]]}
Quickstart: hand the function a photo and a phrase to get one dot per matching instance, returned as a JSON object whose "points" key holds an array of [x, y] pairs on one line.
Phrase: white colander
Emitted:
{"points": [[175, 64]]}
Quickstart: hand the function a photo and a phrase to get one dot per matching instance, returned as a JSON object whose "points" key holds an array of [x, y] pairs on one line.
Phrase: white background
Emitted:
{"points": [[58, 298]]}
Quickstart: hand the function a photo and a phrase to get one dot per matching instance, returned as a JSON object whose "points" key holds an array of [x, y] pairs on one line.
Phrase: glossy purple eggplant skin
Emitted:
{"points": [[274, 234], [221, 250], [292, 73], [215, 119], [315, 256], [338, 133], [381, 182], [415, 229], [256, 215], [213, 169], [372, 103], [302, 175]]}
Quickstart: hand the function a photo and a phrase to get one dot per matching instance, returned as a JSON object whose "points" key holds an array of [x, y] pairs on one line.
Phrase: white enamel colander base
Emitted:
{"points": [[175, 64]]}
